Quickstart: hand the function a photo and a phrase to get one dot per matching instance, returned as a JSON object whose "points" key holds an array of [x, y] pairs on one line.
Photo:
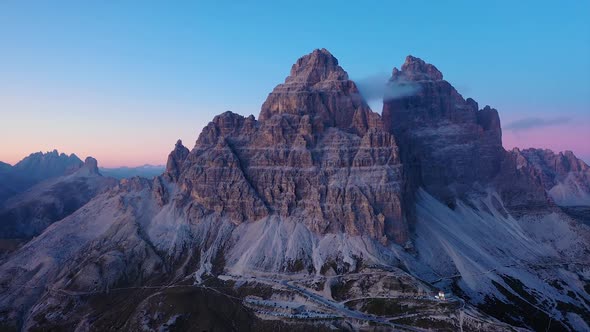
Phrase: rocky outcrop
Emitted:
{"points": [[565, 177], [317, 155], [89, 168], [175, 160], [91, 165]]}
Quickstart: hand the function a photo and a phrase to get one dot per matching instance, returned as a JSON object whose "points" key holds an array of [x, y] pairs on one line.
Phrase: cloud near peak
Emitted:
{"points": [[378, 87], [535, 122]]}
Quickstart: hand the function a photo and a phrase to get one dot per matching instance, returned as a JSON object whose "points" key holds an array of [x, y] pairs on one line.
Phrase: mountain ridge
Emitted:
{"points": [[317, 205], [28, 213]]}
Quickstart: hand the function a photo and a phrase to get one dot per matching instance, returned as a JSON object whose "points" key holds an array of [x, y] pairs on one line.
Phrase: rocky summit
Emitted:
{"points": [[320, 215]]}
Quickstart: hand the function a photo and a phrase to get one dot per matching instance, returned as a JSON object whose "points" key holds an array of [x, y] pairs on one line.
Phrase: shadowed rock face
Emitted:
{"points": [[33, 169], [40, 166], [448, 146], [318, 154]]}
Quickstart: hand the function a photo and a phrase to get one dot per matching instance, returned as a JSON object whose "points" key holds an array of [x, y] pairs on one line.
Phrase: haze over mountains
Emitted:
{"points": [[34, 169], [146, 171], [46, 187], [319, 214]]}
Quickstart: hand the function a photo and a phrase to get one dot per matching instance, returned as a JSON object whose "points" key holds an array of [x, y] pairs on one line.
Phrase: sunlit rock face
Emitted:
{"points": [[317, 154]]}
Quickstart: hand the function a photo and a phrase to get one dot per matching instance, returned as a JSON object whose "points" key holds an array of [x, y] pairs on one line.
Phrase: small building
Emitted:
{"points": [[440, 295], [299, 310]]}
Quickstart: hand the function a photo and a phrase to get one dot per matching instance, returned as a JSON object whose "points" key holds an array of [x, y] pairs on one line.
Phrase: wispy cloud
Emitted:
{"points": [[534, 122], [377, 87]]}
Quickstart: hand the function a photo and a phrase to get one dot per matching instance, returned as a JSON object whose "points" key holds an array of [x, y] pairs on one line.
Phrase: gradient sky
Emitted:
{"points": [[123, 80]]}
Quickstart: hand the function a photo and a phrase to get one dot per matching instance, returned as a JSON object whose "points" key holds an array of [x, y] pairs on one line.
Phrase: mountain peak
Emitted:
{"points": [[320, 88], [88, 168], [41, 165], [317, 66], [416, 69], [91, 165]]}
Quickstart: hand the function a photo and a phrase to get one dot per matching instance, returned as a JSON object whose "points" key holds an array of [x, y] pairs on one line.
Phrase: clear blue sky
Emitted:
{"points": [[122, 80]]}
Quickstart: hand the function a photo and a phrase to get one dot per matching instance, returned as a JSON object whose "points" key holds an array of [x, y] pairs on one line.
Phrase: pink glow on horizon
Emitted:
{"points": [[573, 137], [120, 133], [105, 159], [561, 138], [116, 133]]}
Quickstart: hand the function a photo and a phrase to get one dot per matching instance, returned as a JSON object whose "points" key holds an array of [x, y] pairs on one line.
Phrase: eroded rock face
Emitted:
{"points": [[450, 146], [318, 155]]}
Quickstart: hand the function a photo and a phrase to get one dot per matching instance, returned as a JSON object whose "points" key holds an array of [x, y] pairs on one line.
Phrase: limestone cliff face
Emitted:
{"points": [[317, 155]]}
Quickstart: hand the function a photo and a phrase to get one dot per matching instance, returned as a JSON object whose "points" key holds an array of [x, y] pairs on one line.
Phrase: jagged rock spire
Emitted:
{"points": [[91, 165], [175, 160]]}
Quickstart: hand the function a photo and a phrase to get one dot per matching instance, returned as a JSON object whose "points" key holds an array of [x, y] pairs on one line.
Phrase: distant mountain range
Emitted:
{"points": [[33, 169], [27, 214], [41, 189], [146, 171], [319, 215], [47, 187]]}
